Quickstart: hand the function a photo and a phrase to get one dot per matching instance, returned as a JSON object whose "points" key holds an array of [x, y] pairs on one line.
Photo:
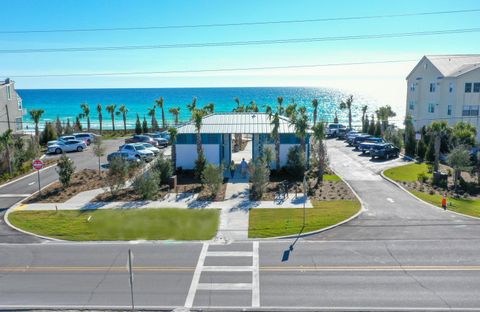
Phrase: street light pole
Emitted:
{"points": [[130, 258], [304, 198]]}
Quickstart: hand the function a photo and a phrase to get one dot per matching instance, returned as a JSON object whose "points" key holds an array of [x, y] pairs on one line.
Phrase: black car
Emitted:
{"points": [[359, 139], [384, 150]]}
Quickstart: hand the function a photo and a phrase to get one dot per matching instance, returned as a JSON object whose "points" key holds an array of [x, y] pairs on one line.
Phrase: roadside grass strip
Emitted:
{"points": [[407, 173], [460, 205], [119, 224], [271, 222]]}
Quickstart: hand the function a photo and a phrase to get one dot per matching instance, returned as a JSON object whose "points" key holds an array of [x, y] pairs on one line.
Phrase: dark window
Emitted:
{"points": [[468, 87], [476, 87]]}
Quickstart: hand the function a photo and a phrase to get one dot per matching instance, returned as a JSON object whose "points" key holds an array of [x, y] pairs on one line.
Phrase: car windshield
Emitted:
{"points": [[139, 147], [147, 145]]}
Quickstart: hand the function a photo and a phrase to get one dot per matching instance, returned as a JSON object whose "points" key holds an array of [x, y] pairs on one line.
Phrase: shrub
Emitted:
{"points": [[66, 168], [259, 176], [295, 162], [138, 126], [429, 168], [48, 134], [164, 169], [200, 164], [146, 185], [422, 177], [117, 175], [212, 178], [421, 149]]}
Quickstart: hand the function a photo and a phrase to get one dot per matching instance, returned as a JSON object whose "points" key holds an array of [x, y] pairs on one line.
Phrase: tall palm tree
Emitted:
{"points": [[348, 105], [319, 136], [160, 105], [280, 102], [175, 111], [438, 130], [111, 110], [364, 113], [275, 122], [192, 107], [300, 123], [291, 110], [6, 140], [383, 114], [86, 114], [172, 131], [240, 107], [152, 113], [252, 107], [209, 108], [198, 115], [36, 114], [123, 110], [100, 116], [315, 111]]}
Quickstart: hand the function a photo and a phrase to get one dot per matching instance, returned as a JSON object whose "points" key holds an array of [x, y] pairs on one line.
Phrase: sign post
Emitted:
{"points": [[37, 165], [304, 198], [129, 266]]}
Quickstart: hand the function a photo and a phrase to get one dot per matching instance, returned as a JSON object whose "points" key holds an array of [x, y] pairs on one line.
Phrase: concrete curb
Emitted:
{"points": [[359, 212], [25, 176], [419, 199]]}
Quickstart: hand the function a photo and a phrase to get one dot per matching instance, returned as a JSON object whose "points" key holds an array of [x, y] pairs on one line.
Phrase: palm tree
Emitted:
{"points": [[364, 113], [100, 116], [160, 104], [383, 113], [198, 115], [438, 130], [6, 139], [300, 123], [291, 110], [192, 107], [111, 110], [175, 111], [36, 114], [172, 131], [209, 108], [86, 114], [152, 113], [275, 122], [315, 111], [319, 136], [240, 107], [252, 107], [348, 105], [123, 110]]}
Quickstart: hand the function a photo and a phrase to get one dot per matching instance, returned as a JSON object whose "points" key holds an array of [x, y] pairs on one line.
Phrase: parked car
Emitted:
{"points": [[384, 150], [351, 136], [333, 129], [359, 139], [67, 146], [140, 138], [160, 138], [342, 133], [125, 156], [87, 137], [366, 145], [152, 148], [137, 150]]}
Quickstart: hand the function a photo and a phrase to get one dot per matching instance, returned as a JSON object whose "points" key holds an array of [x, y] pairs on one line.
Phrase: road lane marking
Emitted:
{"points": [[196, 276], [390, 200], [224, 286], [21, 207], [229, 254], [14, 195], [255, 277], [220, 268], [31, 183]]}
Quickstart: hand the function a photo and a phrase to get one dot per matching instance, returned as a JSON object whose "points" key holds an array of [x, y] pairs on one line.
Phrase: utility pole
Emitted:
{"points": [[8, 117], [130, 258]]}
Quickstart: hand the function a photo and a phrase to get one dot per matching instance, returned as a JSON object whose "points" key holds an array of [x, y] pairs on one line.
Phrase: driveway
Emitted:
{"points": [[390, 213]]}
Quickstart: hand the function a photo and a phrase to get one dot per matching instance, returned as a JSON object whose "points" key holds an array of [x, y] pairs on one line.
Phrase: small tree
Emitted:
{"points": [[144, 125], [464, 133], [58, 126], [421, 149], [163, 168], [98, 150], [410, 142], [66, 168], [68, 128], [378, 129], [117, 175], [459, 160], [48, 134], [138, 126], [77, 127], [371, 127], [365, 124], [200, 164], [296, 162], [146, 185], [259, 176], [212, 178]]}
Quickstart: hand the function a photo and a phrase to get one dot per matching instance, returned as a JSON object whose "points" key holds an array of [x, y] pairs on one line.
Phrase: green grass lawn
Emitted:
{"points": [[117, 224], [285, 221], [465, 206], [407, 173], [331, 177]]}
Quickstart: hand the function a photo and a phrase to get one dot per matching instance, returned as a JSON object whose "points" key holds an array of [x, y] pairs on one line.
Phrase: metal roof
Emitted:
{"points": [[452, 65], [247, 123]]}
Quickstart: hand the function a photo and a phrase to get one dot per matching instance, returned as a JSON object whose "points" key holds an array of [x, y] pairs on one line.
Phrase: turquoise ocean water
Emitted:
{"points": [[65, 103]]}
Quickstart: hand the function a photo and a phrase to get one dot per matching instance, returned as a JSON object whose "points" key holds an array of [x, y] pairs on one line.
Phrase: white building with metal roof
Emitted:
{"points": [[217, 132], [445, 87]]}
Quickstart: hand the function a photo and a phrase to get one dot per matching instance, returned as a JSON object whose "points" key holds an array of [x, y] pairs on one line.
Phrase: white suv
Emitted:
{"points": [[137, 150], [334, 129]]}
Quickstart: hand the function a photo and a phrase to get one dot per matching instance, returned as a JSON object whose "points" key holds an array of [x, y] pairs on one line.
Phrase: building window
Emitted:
{"points": [[9, 93], [470, 110], [468, 87], [18, 124], [412, 87], [431, 108], [432, 87], [411, 105], [476, 87], [450, 87], [19, 104], [449, 110]]}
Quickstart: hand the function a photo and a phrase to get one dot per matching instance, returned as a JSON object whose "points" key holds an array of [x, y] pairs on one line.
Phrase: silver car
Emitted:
{"points": [[68, 146], [150, 147]]}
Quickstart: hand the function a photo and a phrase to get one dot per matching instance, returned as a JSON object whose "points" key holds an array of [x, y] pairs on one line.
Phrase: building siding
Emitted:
{"points": [[15, 112]]}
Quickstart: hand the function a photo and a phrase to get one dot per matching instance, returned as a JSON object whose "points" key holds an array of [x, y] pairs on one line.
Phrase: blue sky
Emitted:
{"points": [[381, 81]]}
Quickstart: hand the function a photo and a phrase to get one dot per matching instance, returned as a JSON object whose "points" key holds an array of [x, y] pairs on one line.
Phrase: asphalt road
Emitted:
{"points": [[400, 254]]}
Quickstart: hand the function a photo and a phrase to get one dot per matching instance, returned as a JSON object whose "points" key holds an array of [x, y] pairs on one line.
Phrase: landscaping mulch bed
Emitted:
{"points": [[186, 183], [84, 180], [127, 194]]}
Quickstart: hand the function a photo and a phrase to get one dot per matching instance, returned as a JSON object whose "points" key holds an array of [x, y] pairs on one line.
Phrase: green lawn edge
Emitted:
{"points": [[407, 173], [273, 222], [120, 224]]}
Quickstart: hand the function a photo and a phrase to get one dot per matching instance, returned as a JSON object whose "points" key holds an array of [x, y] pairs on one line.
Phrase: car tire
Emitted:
{"points": [[79, 149], [58, 151]]}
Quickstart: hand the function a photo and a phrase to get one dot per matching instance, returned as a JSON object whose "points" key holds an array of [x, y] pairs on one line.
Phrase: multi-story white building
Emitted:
{"points": [[445, 87], [11, 110]]}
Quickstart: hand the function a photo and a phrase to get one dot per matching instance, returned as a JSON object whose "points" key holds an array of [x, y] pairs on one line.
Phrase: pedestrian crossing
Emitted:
{"points": [[221, 269]]}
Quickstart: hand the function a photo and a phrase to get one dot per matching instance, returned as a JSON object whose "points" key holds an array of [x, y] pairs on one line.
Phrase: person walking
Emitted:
{"points": [[444, 201], [232, 169], [244, 167]]}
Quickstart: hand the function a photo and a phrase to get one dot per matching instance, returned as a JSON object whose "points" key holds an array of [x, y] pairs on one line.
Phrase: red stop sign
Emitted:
{"points": [[37, 164]]}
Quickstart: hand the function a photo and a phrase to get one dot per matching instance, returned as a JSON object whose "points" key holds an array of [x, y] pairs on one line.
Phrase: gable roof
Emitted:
{"points": [[237, 123], [451, 65]]}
